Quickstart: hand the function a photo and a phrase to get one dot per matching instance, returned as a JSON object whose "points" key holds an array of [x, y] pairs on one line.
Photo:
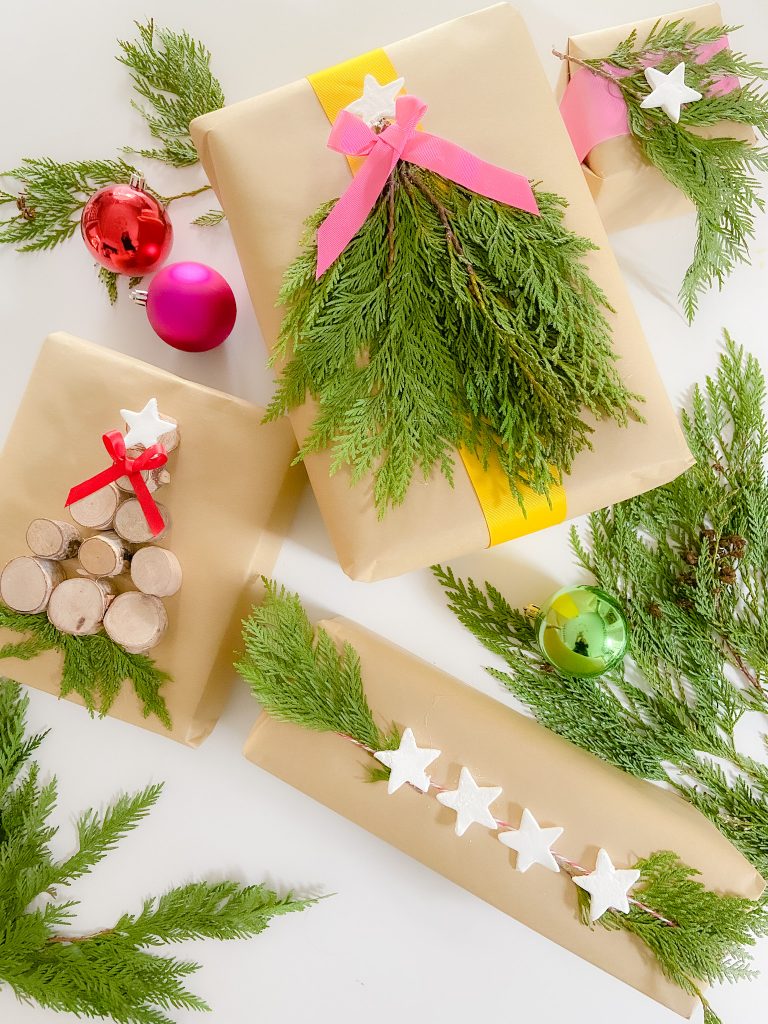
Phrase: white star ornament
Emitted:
{"points": [[608, 887], [407, 763], [377, 101], [669, 91], [470, 802], [145, 426], [532, 843]]}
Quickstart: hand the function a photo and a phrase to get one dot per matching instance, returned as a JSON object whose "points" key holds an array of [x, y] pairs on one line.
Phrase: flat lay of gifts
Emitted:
{"points": [[458, 364]]}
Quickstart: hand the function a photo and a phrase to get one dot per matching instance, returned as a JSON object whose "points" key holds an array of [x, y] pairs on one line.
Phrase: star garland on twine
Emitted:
{"points": [[300, 676]]}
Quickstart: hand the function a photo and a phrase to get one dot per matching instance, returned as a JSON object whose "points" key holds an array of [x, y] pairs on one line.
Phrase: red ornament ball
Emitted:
{"points": [[126, 229], [190, 306]]}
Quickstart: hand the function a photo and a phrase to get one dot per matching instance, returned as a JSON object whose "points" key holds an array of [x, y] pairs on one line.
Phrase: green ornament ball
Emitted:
{"points": [[582, 631]]}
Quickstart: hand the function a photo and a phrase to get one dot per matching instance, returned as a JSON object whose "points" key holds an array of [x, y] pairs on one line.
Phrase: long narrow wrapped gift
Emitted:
{"points": [[596, 805], [486, 91], [627, 188], [229, 500]]}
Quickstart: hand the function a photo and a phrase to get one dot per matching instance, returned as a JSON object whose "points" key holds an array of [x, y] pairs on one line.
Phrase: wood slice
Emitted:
{"points": [[52, 538], [156, 571], [153, 478], [97, 510], [77, 606], [131, 523], [136, 621], [26, 583], [103, 555]]}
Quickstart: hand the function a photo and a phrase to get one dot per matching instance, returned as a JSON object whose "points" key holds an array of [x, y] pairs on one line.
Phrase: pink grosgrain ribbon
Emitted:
{"points": [[594, 110], [401, 141], [122, 465]]}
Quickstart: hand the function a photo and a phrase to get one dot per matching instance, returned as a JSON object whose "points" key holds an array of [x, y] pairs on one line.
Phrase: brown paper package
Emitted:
{"points": [[231, 497], [268, 161], [627, 189], [597, 804]]}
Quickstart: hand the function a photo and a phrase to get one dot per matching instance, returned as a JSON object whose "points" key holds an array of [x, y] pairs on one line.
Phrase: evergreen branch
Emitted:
{"points": [[687, 562], [210, 219], [172, 72], [109, 279], [113, 972], [95, 667]]}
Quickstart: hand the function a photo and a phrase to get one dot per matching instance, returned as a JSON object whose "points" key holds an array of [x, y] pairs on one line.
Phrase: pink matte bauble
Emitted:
{"points": [[191, 306], [126, 230]]}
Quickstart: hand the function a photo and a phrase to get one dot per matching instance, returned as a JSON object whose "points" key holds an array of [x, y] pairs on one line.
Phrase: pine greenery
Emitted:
{"points": [[115, 972], [688, 562], [697, 936], [95, 667], [717, 175], [449, 321]]}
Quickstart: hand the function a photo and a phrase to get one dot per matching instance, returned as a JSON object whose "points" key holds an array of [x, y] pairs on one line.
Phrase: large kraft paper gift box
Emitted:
{"points": [[597, 805], [485, 89], [230, 499], [627, 188]]}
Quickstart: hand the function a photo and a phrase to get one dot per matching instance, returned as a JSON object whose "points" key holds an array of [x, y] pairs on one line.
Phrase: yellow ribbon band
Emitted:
{"points": [[335, 88]]}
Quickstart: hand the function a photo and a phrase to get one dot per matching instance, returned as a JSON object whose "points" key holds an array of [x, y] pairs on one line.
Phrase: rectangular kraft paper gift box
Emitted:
{"points": [[627, 189], [486, 90], [597, 804], [230, 500]]}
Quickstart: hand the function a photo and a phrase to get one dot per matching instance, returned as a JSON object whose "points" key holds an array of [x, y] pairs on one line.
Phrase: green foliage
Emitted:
{"points": [[298, 675], [210, 219], [95, 667], [109, 279], [688, 563], [717, 175], [172, 72], [113, 972], [449, 321]]}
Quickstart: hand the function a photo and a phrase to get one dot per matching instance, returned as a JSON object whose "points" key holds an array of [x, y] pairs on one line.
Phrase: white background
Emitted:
{"points": [[396, 941]]}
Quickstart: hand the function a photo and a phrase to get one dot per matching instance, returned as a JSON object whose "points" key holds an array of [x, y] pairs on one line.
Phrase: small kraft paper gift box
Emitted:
{"points": [[627, 188], [485, 91], [458, 729], [99, 605]]}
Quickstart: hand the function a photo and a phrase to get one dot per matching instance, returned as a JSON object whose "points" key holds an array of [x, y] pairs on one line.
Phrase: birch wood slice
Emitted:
{"points": [[131, 523], [26, 583], [52, 538], [97, 510], [153, 478], [77, 606], [103, 555], [136, 621], [156, 571]]}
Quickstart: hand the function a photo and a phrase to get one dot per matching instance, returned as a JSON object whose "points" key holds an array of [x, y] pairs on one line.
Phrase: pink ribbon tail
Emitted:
{"points": [[401, 140]]}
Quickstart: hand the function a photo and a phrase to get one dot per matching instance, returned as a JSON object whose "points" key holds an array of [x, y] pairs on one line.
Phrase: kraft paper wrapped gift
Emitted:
{"points": [[486, 90], [627, 188], [230, 500], [598, 805]]}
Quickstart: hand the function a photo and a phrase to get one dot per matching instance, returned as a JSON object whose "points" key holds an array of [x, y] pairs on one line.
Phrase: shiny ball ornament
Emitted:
{"points": [[190, 306], [582, 631], [126, 229]]}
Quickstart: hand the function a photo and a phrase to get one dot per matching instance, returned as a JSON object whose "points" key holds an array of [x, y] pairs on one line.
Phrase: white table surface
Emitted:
{"points": [[396, 941]]}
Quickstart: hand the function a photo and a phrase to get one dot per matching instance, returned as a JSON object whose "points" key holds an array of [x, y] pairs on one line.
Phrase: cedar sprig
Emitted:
{"points": [[95, 667], [449, 321], [298, 675], [171, 71], [687, 561], [114, 972], [718, 175]]}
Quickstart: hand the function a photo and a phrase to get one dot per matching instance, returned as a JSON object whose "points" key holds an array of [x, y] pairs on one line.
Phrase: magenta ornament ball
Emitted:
{"points": [[191, 306]]}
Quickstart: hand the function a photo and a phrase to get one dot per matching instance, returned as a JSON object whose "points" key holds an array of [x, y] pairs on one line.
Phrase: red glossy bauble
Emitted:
{"points": [[126, 229]]}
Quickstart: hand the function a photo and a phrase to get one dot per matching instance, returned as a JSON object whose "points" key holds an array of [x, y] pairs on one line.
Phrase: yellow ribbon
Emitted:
{"points": [[335, 88]]}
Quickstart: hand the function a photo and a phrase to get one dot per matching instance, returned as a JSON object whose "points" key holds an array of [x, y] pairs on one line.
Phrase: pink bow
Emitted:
{"points": [[401, 141]]}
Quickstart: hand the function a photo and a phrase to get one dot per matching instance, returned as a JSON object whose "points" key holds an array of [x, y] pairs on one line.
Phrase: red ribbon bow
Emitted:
{"points": [[122, 465]]}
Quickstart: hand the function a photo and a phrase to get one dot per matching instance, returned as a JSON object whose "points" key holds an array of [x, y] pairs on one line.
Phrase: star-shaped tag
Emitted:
{"points": [[407, 763], [669, 91], [532, 843], [470, 802], [377, 101], [145, 427], [608, 887]]}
